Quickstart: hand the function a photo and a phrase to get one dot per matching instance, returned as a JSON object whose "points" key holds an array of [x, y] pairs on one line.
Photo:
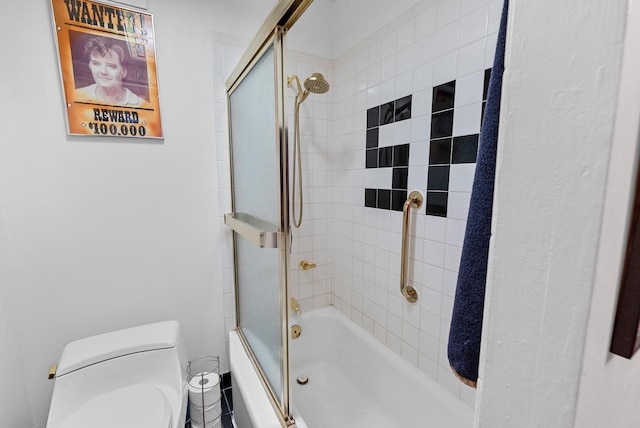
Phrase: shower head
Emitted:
{"points": [[316, 84]]}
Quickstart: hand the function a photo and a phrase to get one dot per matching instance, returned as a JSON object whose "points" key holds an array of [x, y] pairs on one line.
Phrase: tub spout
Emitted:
{"points": [[295, 307]]}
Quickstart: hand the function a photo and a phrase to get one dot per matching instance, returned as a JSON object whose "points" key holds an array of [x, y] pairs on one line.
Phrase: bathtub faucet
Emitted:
{"points": [[295, 307]]}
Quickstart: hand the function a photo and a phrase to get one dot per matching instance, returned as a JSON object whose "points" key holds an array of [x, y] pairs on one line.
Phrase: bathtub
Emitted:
{"points": [[354, 382]]}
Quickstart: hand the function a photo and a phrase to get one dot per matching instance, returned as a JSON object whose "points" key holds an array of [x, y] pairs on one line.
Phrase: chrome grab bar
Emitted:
{"points": [[413, 201]]}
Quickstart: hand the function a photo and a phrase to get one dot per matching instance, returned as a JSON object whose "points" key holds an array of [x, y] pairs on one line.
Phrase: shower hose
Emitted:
{"points": [[297, 160]]}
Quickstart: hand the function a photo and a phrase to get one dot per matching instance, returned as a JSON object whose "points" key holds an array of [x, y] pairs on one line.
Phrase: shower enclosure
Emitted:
{"points": [[259, 218], [403, 114]]}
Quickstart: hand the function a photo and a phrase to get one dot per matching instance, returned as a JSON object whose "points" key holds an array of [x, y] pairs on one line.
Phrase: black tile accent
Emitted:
{"points": [[484, 105], [440, 152], [373, 117], [398, 198], [401, 155], [226, 421], [384, 199], [444, 149], [465, 149], [225, 380], [386, 113], [403, 108], [371, 158], [487, 79], [443, 97], [385, 157], [400, 177], [370, 196], [227, 408], [438, 177], [228, 396], [372, 137], [442, 124], [224, 404], [437, 203]]}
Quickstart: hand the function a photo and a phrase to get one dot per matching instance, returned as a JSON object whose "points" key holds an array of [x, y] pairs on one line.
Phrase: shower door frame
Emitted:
{"points": [[272, 33], [280, 403]]}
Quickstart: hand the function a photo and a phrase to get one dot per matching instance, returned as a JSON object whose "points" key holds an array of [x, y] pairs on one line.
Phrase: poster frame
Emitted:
{"points": [[119, 32]]}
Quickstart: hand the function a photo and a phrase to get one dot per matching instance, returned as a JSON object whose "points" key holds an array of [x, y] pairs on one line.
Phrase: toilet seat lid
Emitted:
{"points": [[137, 406]]}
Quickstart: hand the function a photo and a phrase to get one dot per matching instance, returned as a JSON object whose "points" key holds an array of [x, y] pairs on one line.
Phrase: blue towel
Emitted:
{"points": [[466, 322]]}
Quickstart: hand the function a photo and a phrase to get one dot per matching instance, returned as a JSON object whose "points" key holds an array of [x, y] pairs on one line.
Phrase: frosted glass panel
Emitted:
{"points": [[256, 192]]}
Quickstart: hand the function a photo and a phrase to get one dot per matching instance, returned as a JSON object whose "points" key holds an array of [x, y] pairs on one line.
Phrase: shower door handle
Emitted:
{"points": [[252, 230], [414, 201]]}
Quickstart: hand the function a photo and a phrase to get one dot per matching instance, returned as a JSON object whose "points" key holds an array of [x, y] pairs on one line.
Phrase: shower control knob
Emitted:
{"points": [[296, 331], [305, 265]]}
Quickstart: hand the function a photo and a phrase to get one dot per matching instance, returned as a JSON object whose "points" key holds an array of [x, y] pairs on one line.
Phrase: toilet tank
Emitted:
{"points": [[96, 349]]}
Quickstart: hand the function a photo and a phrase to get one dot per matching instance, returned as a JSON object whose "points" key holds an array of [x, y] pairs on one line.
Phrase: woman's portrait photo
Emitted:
{"points": [[105, 73]]}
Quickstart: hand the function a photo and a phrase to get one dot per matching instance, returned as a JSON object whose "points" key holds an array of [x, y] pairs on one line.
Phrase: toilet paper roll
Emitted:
{"points": [[215, 424], [209, 415], [204, 381], [197, 409], [204, 389]]}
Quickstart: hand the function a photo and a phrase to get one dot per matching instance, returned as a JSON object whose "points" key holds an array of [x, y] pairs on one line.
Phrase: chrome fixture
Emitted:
{"points": [[53, 368], [295, 307], [414, 201], [245, 225], [314, 84], [296, 331], [305, 265]]}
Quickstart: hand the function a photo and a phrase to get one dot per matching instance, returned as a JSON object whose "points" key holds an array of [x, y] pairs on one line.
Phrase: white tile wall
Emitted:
{"points": [[311, 241], [357, 248], [450, 40], [466, 119], [469, 89]]}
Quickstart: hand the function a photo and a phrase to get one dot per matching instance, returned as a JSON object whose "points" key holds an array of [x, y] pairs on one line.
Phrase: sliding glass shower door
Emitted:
{"points": [[259, 218]]}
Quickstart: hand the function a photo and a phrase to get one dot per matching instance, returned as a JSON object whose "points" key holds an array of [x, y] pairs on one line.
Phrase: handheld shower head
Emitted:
{"points": [[316, 84]]}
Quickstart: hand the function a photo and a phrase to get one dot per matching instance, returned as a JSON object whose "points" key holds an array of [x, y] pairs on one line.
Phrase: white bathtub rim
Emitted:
{"points": [[250, 387]]}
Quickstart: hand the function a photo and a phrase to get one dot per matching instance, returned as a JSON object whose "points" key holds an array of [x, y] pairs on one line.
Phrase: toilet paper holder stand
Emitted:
{"points": [[203, 377]]}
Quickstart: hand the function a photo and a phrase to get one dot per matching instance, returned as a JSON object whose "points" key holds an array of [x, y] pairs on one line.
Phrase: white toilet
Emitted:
{"points": [[127, 378]]}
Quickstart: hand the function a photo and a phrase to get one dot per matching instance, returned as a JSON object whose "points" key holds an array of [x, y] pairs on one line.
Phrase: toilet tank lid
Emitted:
{"points": [[95, 349]]}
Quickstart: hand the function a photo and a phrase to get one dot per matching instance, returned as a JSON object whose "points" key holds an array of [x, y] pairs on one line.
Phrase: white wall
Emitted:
{"points": [[329, 28], [353, 21], [559, 100], [603, 371], [15, 409], [101, 234], [236, 17]]}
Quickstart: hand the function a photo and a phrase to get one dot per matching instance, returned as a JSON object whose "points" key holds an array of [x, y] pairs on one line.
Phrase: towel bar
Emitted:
{"points": [[253, 229], [413, 201]]}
